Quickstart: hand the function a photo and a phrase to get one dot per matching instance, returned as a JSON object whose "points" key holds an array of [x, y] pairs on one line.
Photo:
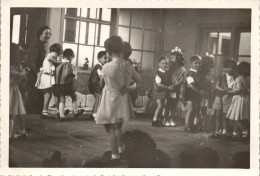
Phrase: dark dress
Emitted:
{"points": [[160, 93], [191, 95], [94, 80], [35, 59]]}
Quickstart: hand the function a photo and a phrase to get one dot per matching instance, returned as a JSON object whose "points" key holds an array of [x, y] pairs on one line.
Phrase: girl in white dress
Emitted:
{"points": [[239, 109], [46, 78], [115, 105]]}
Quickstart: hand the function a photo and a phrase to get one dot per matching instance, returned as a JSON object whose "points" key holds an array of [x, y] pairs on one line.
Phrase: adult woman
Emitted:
{"points": [[36, 56]]}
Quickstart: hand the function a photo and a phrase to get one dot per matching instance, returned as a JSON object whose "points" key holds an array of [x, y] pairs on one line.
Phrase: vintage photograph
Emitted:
{"points": [[129, 88]]}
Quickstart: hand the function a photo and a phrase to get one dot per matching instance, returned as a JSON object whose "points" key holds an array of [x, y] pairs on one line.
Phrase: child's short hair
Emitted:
{"points": [[127, 50], [114, 45], [228, 63], [56, 47], [243, 69], [195, 58], [67, 53], [162, 58], [101, 54]]}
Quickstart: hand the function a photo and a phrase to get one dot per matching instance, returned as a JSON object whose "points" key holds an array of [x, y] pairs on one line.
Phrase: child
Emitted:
{"points": [[161, 88], [239, 109], [16, 104], [223, 100], [46, 79], [115, 105], [95, 78], [65, 83], [127, 51], [192, 93], [177, 73], [206, 83]]}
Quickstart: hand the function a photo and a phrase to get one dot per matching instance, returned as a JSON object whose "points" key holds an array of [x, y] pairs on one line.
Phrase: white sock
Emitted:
{"points": [[121, 149], [115, 156], [234, 133], [61, 109], [45, 112], [224, 131], [75, 107]]}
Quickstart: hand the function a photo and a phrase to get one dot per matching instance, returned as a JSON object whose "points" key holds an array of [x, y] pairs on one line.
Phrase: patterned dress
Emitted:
{"points": [[240, 105], [114, 106]]}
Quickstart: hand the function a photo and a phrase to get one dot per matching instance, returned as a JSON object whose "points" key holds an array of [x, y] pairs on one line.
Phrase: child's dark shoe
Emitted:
{"points": [[78, 113], [214, 136], [224, 136], [43, 116], [66, 112], [154, 123]]}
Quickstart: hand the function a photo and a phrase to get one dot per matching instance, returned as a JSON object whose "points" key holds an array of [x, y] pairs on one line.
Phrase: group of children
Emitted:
{"points": [[206, 95]]}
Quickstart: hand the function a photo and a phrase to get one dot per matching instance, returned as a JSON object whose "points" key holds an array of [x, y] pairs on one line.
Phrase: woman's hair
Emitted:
{"points": [[114, 45], [40, 31], [243, 69], [67, 53], [127, 50], [56, 47]]}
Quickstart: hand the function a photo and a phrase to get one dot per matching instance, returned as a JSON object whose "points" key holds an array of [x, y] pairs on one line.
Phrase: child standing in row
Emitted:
{"points": [[46, 78], [115, 105], [95, 77], [239, 109], [223, 99], [65, 79], [161, 91], [192, 93], [177, 79]]}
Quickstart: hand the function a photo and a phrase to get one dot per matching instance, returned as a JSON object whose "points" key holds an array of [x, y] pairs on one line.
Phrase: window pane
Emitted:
{"points": [[104, 34], [82, 36], [245, 43], [224, 43], [97, 49], [244, 59], [149, 40], [147, 61], [149, 21], [136, 56], [212, 43], [124, 17], [85, 51], [136, 38], [74, 48], [73, 12], [106, 14], [137, 18], [84, 12], [16, 29], [92, 13], [124, 33], [71, 30], [91, 33]]}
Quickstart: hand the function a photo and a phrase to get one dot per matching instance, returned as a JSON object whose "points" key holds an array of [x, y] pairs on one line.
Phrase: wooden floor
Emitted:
{"points": [[81, 139]]}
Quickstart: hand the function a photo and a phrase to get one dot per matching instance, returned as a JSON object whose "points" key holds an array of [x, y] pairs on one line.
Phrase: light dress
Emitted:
{"points": [[114, 106], [46, 77], [240, 105]]}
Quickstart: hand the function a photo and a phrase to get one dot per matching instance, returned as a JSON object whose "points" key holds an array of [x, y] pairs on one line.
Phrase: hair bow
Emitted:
{"points": [[209, 55], [176, 49]]}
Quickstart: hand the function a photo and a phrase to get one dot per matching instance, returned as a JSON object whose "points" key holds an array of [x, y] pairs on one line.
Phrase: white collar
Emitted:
{"points": [[65, 60], [161, 70], [191, 69]]}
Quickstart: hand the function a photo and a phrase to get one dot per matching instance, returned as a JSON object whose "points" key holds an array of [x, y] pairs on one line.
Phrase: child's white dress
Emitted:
{"points": [[46, 77], [114, 106], [240, 105]]}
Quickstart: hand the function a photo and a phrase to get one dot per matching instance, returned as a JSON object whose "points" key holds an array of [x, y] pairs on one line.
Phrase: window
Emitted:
{"points": [[138, 27], [85, 30], [244, 53]]}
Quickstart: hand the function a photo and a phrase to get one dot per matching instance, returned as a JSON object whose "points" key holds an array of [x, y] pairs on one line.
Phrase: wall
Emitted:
{"points": [[181, 26]]}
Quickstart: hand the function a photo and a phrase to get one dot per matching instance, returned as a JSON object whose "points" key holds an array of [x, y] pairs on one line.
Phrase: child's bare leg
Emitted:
{"points": [[110, 129], [173, 108], [21, 124], [167, 111], [225, 124], [11, 125], [218, 121], [158, 111], [57, 102], [119, 135], [74, 103], [188, 114], [47, 98], [62, 106]]}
